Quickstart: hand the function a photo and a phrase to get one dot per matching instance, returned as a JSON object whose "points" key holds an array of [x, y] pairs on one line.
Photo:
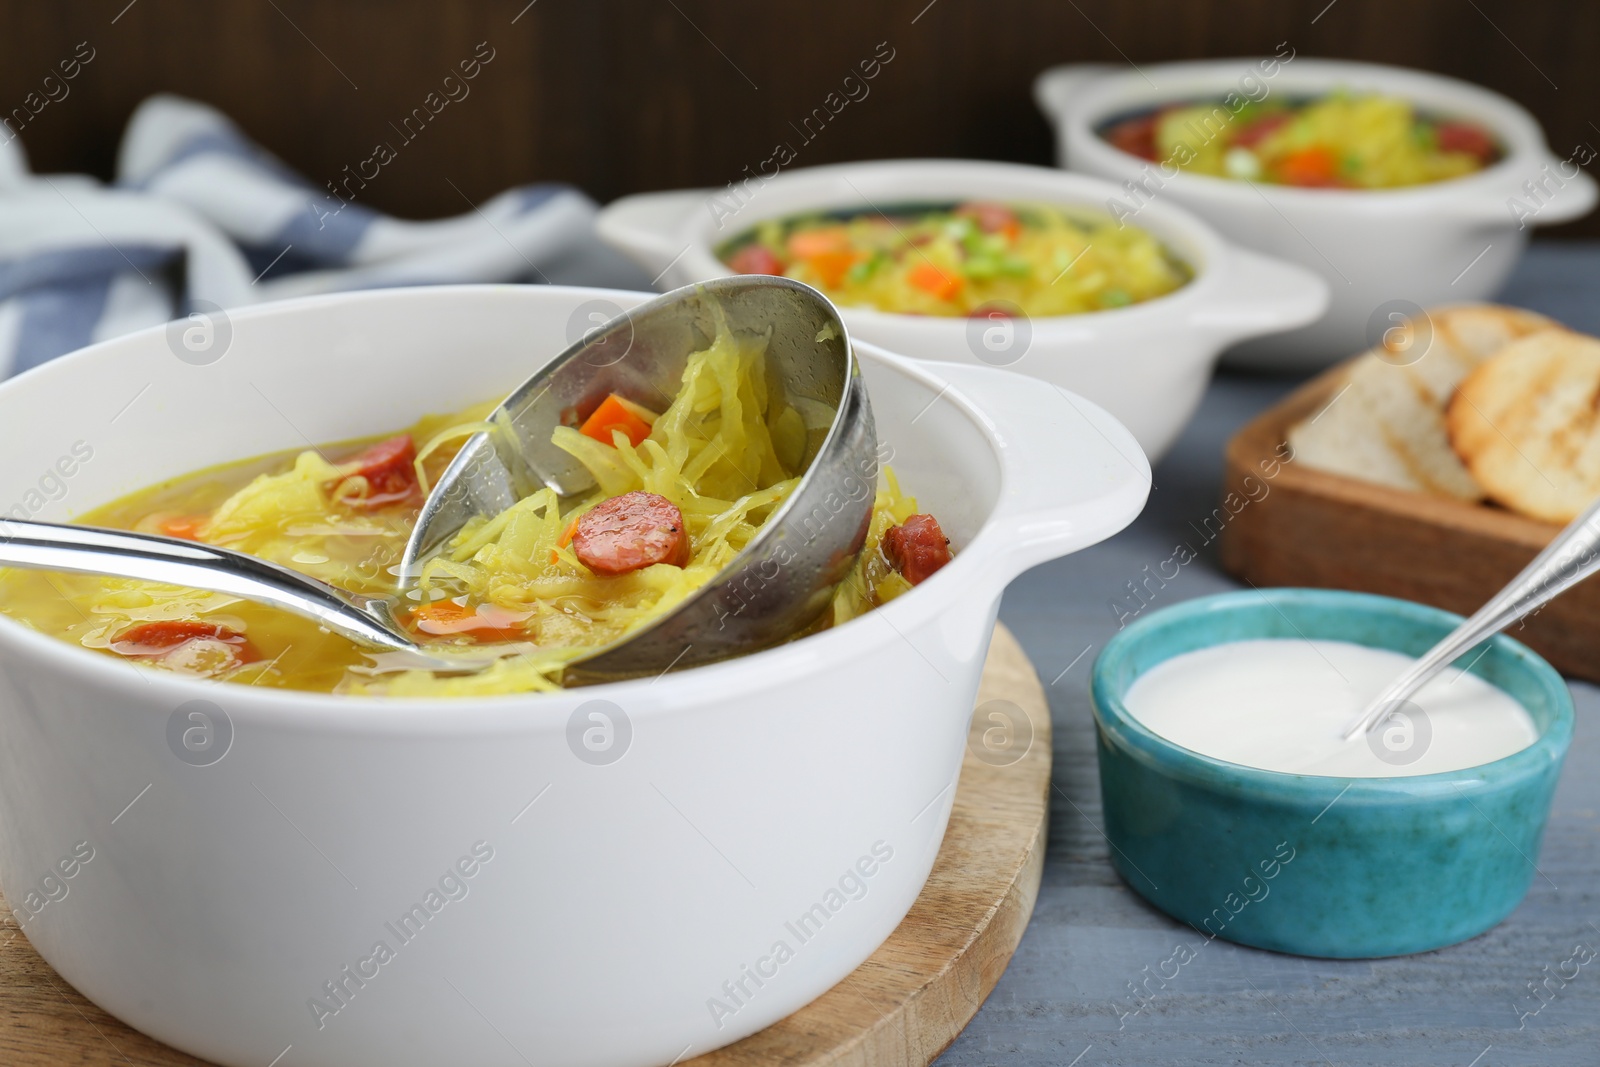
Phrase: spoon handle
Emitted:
{"points": [[171, 561], [1571, 557]]}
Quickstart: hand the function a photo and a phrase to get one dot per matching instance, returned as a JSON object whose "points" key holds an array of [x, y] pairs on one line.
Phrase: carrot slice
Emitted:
{"points": [[831, 266], [808, 243], [564, 540], [445, 617], [187, 527], [1310, 166], [156, 639], [929, 278], [617, 413]]}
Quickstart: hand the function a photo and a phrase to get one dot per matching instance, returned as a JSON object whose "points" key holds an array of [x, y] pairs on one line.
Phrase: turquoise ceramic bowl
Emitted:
{"points": [[1323, 866]]}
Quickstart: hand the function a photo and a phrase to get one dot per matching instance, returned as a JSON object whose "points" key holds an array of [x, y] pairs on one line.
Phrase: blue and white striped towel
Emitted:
{"points": [[199, 214]]}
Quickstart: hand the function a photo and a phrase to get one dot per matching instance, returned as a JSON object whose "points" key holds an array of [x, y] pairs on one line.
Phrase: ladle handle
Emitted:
{"points": [[1573, 556], [171, 561]]}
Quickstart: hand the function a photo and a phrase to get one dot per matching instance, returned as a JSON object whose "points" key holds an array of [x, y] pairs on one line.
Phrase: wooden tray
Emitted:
{"points": [[1320, 529], [901, 1007]]}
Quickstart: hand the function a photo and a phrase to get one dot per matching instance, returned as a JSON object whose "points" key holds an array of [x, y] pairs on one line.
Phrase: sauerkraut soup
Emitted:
{"points": [[961, 259], [1342, 140], [679, 493]]}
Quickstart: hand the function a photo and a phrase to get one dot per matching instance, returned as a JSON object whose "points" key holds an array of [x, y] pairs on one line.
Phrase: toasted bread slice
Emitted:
{"points": [[1527, 425], [1388, 426]]}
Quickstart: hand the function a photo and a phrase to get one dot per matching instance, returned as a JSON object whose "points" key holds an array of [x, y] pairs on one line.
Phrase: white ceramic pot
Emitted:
{"points": [[1147, 364], [609, 899], [1446, 242]]}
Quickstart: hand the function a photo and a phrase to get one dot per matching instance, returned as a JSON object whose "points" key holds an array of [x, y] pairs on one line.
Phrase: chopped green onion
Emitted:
{"points": [[1012, 267], [981, 267], [960, 228], [860, 272]]}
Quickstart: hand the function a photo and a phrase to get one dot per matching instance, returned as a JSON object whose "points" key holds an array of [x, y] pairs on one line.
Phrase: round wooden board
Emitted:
{"points": [[903, 1006]]}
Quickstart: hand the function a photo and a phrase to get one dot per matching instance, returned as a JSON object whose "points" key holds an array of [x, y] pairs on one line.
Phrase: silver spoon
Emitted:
{"points": [[366, 620], [1573, 556], [778, 584]]}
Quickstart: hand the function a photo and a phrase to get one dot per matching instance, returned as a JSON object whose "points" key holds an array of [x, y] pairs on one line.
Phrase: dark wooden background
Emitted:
{"points": [[620, 96]]}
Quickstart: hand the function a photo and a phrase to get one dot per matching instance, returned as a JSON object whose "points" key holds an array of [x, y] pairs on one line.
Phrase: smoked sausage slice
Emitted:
{"points": [[629, 532], [917, 547], [389, 469]]}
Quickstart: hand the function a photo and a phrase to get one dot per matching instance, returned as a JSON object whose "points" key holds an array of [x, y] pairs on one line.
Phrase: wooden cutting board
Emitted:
{"points": [[1302, 526], [903, 1006]]}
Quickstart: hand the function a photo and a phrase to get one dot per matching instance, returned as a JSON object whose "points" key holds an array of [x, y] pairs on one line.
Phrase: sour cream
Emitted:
{"points": [[1284, 704]]}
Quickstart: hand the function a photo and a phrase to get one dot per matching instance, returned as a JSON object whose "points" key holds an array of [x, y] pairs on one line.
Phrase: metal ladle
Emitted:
{"points": [[777, 584], [1573, 556]]}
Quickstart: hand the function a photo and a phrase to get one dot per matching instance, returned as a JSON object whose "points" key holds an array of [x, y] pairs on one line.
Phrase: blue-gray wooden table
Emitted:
{"points": [[1068, 996], [1068, 999]]}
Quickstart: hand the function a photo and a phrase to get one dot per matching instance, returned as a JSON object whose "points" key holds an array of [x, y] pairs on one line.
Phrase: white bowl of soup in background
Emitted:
{"points": [[1148, 363], [1444, 242], [589, 909]]}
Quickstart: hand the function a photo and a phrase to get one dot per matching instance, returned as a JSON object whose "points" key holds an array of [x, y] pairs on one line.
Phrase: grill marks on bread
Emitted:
{"points": [[1527, 425]]}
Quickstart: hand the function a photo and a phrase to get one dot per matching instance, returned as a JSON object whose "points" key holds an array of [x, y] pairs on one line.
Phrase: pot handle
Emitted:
{"points": [[1578, 201], [1042, 429], [645, 226], [1542, 197], [1054, 89], [1260, 295]]}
